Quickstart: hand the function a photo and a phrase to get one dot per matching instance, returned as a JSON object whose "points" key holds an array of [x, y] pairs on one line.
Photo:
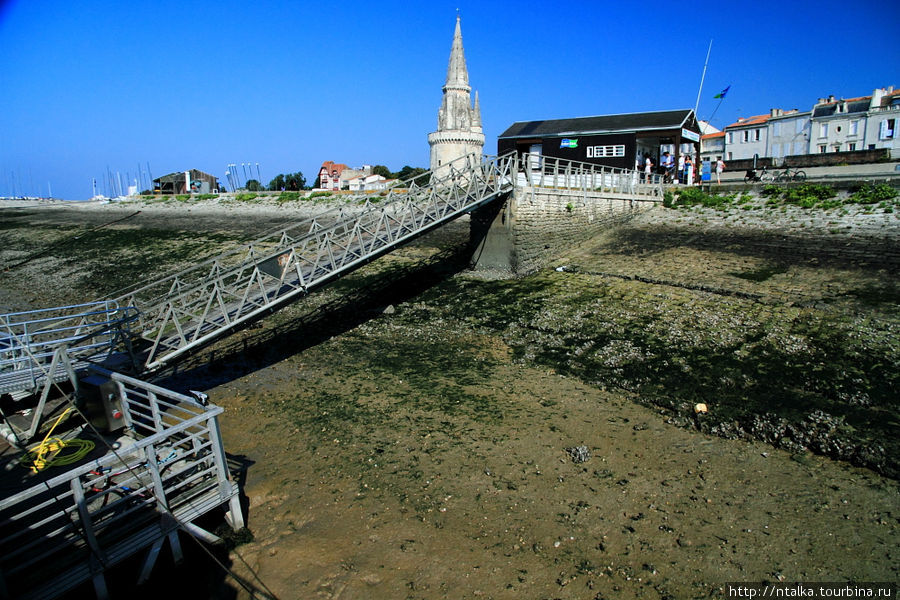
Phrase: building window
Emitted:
{"points": [[851, 146], [823, 148], [730, 137], [854, 128], [730, 155], [745, 135], [823, 130], [605, 151], [776, 129], [756, 135], [887, 129]]}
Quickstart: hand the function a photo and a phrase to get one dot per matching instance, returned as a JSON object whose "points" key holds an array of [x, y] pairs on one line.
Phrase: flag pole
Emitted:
{"points": [[709, 120], [702, 77]]}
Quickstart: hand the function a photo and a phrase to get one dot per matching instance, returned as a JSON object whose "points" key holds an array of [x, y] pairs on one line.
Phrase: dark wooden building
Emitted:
{"points": [[611, 140], [186, 182]]}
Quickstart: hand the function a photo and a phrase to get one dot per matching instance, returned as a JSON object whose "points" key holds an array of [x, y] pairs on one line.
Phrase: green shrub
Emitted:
{"points": [[288, 197], [872, 194], [808, 195], [692, 196], [183, 197], [321, 195], [246, 197]]}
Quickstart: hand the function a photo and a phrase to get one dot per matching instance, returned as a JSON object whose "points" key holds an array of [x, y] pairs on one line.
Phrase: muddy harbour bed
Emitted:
{"points": [[415, 431]]}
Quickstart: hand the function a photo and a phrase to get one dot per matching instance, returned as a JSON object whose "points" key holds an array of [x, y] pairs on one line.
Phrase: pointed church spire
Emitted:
{"points": [[457, 74]]}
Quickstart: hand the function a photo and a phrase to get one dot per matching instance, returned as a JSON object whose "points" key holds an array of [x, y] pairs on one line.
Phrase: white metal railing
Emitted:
{"points": [[29, 339], [548, 172], [94, 515]]}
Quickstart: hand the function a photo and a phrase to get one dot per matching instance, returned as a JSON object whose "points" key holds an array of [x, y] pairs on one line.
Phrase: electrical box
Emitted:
{"points": [[102, 403]]}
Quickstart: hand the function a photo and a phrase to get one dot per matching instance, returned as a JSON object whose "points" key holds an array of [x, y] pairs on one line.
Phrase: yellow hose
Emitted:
{"points": [[50, 452]]}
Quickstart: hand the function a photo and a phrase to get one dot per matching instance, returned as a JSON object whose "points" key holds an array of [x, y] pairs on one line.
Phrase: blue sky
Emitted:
{"points": [[89, 86]]}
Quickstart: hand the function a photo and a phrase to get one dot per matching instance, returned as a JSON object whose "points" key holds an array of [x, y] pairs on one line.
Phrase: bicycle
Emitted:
{"points": [[763, 176], [791, 175]]}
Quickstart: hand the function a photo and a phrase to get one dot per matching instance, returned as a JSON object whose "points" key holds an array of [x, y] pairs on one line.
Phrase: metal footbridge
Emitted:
{"points": [[162, 321], [201, 304]]}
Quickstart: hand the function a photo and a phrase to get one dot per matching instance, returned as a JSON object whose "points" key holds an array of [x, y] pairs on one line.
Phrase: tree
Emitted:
{"points": [[408, 172], [292, 181], [383, 171], [253, 185], [277, 184], [295, 181]]}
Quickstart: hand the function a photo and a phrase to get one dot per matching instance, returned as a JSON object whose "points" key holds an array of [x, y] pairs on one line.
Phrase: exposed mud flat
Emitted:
{"points": [[409, 431]]}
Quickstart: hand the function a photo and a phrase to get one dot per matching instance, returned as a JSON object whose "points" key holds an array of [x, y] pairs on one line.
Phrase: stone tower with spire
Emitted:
{"points": [[459, 123]]}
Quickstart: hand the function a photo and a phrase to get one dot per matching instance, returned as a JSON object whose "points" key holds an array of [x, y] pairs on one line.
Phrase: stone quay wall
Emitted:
{"points": [[534, 226]]}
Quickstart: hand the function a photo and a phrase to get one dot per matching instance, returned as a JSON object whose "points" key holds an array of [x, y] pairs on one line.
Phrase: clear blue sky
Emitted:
{"points": [[91, 85]]}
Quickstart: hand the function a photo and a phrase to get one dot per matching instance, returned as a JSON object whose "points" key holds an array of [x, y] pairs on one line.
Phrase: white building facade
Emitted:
{"points": [[747, 138], [788, 133], [833, 125], [838, 125], [883, 121]]}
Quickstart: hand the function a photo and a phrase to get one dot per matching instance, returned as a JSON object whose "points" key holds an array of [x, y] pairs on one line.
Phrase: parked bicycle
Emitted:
{"points": [[791, 175], [753, 176]]}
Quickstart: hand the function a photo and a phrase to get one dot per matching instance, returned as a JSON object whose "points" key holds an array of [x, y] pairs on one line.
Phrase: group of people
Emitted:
{"points": [[685, 171]]}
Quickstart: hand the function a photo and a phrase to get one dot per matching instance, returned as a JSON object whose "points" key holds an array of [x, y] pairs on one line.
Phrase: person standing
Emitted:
{"points": [[668, 163], [688, 171], [648, 168], [720, 167], [681, 168]]}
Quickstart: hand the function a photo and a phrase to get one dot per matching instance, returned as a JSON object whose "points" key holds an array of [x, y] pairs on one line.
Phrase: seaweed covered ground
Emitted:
{"points": [[415, 431]]}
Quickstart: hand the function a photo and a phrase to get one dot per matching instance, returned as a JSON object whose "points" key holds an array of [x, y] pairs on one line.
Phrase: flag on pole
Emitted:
{"points": [[722, 93]]}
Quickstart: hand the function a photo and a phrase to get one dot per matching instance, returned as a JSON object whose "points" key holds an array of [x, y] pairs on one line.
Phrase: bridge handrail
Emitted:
{"points": [[313, 225], [176, 465], [561, 173], [28, 339]]}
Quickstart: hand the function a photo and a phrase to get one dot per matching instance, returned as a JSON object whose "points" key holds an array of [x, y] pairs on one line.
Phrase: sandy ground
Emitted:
{"points": [[384, 461]]}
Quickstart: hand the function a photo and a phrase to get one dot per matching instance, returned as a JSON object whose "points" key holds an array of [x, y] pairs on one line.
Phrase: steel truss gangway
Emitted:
{"points": [[201, 304]]}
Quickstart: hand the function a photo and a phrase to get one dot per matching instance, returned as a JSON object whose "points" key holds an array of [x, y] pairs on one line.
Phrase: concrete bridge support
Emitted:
{"points": [[533, 226]]}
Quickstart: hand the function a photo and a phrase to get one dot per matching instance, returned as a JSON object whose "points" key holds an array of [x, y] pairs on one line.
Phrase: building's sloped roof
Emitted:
{"points": [[854, 105], [709, 136], [749, 121], [196, 175], [624, 123], [330, 165]]}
